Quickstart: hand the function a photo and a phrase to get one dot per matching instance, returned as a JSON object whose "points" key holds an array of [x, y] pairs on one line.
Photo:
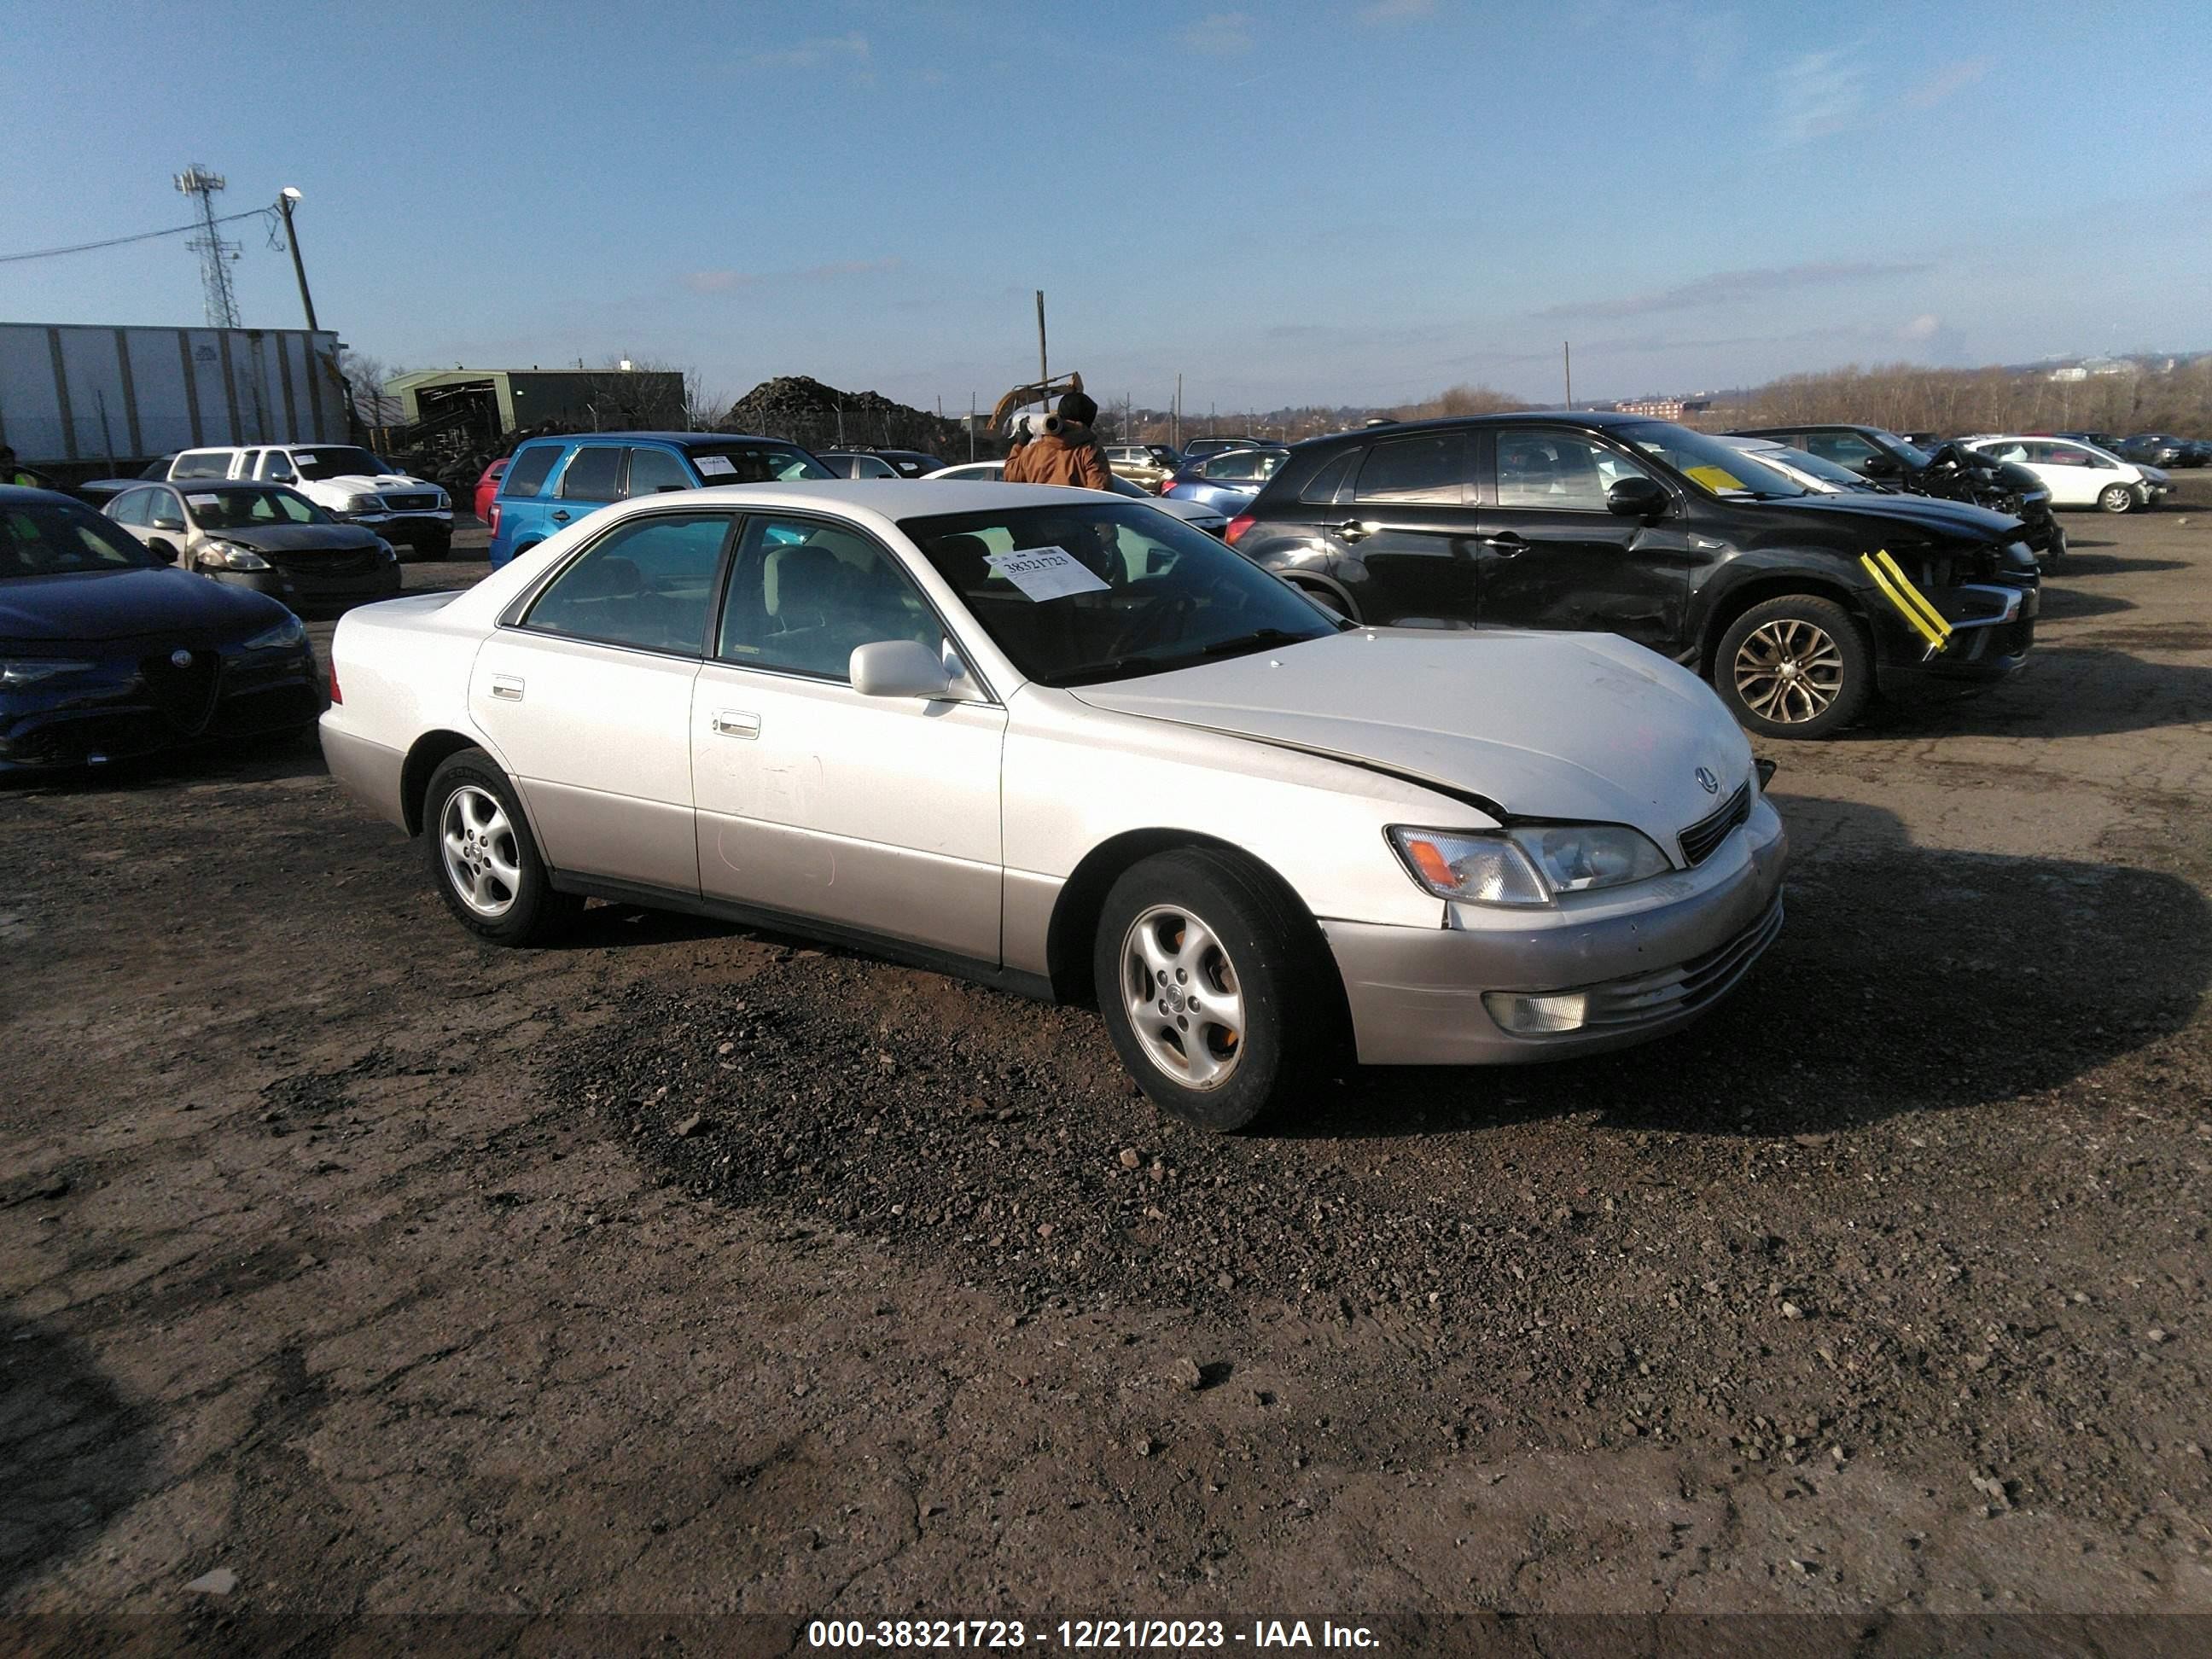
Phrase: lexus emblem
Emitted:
{"points": [[181, 657], [1707, 781]]}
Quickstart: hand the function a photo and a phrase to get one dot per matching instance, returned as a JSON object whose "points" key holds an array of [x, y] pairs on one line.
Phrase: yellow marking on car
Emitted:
{"points": [[1911, 604]]}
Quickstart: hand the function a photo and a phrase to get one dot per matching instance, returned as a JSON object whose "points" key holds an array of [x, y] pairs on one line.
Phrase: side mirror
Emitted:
{"points": [[1638, 497], [1880, 466], [897, 668], [165, 524]]}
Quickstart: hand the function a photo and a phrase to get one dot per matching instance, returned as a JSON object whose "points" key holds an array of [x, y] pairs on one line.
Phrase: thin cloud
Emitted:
{"points": [[1817, 94], [852, 47], [1221, 34], [1733, 287], [727, 282], [1397, 11], [1952, 78]]}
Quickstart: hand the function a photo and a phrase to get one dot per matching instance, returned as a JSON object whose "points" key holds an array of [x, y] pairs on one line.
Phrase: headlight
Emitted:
{"points": [[283, 637], [231, 556], [444, 500], [29, 670], [359, 504], [1528, 864], [385, 548]]}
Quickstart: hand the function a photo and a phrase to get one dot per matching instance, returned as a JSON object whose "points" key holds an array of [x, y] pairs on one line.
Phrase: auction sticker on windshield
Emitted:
{"points": [[1045, 572], [714, 466]]}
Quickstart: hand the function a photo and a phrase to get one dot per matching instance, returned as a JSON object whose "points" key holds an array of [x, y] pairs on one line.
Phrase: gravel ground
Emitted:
{"points": [[687, 1270]]}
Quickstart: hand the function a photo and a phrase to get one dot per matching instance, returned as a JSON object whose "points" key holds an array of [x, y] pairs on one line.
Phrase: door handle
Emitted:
{"points": [[1505, 546], [735, 723], [507, 688], [1352, 530], [560, 515]]}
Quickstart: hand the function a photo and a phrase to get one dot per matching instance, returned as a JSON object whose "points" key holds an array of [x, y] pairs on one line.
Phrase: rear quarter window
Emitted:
{"points": [[526, 474]]}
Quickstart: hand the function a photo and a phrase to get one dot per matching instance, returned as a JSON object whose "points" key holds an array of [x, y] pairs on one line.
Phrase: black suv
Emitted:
{"points": [[1948, 472], [1796, 606]]}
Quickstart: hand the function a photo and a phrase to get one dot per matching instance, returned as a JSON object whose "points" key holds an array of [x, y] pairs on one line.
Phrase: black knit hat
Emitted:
{"points": [[1075, 406]]}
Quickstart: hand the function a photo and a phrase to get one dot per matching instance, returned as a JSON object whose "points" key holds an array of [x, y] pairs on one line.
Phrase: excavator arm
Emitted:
{"points": [[1037, 392]]}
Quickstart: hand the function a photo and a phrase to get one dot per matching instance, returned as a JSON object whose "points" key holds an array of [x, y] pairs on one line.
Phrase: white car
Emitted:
{"points": [[1065, 743], [2079, 474], [1206, 517], [343, 479]]}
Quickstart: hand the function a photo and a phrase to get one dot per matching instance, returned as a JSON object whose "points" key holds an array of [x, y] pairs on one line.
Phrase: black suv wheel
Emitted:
{"points": [[1798, 666]]}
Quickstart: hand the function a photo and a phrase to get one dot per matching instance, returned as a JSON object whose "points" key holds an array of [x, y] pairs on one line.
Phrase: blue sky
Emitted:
{"points": [[1362, 200]]}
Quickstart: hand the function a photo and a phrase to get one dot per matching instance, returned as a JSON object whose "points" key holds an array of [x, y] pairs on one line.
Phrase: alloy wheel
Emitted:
{"points": [[482, 862], [1789, 670], [1181, 994]]}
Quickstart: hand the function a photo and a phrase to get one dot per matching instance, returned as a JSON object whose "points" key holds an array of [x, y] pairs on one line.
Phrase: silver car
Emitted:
{"points": [[1065, 743]]}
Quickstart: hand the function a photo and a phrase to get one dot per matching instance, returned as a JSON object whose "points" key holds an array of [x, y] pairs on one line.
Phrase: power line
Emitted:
{"points": [[143, 236]]}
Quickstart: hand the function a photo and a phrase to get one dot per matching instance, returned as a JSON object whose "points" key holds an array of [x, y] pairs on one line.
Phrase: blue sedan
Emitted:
{"points": [[106, 653], [1228, 482]]}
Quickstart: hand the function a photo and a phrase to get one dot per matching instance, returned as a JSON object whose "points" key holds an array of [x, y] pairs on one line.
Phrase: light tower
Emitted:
{"points": [[195, 181]]}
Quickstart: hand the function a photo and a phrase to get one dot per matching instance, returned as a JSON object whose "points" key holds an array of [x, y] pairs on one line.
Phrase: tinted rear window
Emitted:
{"points": [[1430, 468], [591, 474], [213, 464], [527, 473]]}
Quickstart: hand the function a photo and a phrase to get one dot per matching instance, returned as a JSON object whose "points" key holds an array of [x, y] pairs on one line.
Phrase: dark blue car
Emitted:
{"points": [[1226, 481], [105, 652]]}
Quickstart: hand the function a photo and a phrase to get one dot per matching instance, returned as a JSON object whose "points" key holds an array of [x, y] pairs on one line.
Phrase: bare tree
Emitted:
{"points": [[366, 377]]}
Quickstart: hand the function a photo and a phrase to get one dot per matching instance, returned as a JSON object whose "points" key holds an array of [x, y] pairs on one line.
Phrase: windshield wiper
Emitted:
{"points": [[1258, 640]]}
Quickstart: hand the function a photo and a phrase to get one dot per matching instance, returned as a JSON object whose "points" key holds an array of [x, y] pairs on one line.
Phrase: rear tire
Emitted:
{"points": [[484, 858], [1216, 987], [2118, 498], [1798, 666]]}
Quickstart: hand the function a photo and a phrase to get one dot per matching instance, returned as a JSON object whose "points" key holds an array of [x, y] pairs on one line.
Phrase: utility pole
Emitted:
{"points": [[1178, 410], [1567, 352], [287, 199], [971, 426], [1043, 373], [220, 304]]}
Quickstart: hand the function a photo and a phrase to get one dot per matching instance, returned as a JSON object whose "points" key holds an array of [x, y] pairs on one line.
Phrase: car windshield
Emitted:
{"points": [[1079, 594], [243, 509], [1912, 454], [336, 461], [1711, 465], [736, 463], [39, 540]]}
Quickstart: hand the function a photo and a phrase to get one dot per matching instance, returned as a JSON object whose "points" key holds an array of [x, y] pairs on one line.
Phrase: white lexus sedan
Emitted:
{"points": [[1062, 742]]}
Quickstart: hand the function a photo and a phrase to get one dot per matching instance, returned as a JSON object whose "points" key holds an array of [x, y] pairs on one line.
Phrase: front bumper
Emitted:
{"points": [[132, 707], [1649, 962], [413, 529], [1992, 630]]}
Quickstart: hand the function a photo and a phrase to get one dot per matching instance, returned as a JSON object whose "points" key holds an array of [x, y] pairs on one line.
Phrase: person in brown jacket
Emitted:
{"points": [[1069, 456]]}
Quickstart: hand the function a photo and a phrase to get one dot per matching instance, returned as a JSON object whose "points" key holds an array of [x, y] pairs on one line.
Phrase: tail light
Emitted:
{"points": [[337, 696], [1237, 526], [494, 520]]}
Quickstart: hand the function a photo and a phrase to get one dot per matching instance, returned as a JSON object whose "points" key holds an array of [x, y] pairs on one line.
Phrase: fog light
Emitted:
{"points": [[1529, 1015]]}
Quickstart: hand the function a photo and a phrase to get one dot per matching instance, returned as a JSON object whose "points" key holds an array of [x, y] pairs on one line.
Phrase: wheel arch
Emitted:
{"points": [[1778, 585], [1074, 925], [430, 751]]}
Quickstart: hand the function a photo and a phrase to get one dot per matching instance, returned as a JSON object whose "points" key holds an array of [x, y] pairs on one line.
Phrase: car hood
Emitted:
{"points": [[89, 606], [298, 537], [1582, 727], [366, 483], [1953, 520]]}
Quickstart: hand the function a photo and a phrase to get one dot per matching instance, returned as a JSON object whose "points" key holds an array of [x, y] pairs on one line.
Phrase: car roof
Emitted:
{"points": [[681, 440], [892, 498], [23, 495]]}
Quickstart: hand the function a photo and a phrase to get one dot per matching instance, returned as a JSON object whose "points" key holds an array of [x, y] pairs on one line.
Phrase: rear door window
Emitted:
{"points": [[527, 474], [652, 471], [648, 583], [1432, 468], [592, 474], [130, 508]]}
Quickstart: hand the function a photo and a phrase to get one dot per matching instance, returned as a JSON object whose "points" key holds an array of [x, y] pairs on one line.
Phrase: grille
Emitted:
{"points": [[311, 563], [184, 696], [1685, 987], [1703, 839], [410, 503]]}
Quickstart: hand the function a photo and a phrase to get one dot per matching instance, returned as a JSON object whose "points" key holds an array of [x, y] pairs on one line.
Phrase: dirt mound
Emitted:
{"points": [[803, 410]]}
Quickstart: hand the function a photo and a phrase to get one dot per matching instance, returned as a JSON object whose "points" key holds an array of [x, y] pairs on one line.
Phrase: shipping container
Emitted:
{"points": [[80, 398]]}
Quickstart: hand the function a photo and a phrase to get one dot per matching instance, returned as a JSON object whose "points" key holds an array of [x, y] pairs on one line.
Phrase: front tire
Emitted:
{"points": [[1215, 985], [2118, 498], [484, 858], [1798, 666]]}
